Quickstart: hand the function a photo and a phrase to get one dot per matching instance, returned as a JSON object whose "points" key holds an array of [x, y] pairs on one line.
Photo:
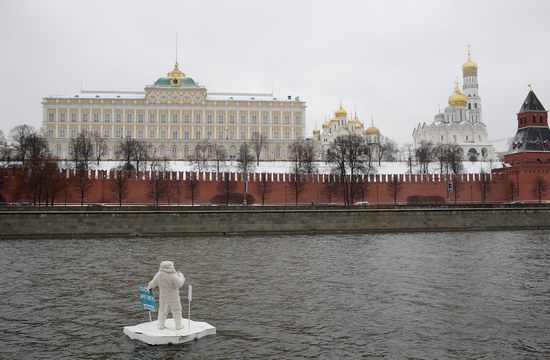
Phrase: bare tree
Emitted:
{"points": [[297, 180], [449, 158], [484, 185], [81, 151], [424, 156], [259, 142], [408, 157], [220, 155], [119, 183], [330, 188], [158, 180], [99, 145], [245, 159], [347, 155], [192, 187], [263, 188], [226, 186], [387, 149], [394, 188], [540, 188], [19, 136], [303, 154], [55, 181], [199, 158], [83, 183]]}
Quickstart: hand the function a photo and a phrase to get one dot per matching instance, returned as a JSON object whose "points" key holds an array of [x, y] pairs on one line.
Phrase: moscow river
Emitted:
{"points": [[413, 295]]}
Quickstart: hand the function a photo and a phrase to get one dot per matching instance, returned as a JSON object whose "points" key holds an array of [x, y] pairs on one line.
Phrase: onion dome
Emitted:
{"points": [[458, 98], [334, 120], [341, 112], [326, 125], [372, 130], [470, 67], [358, 125], [316, 132]]}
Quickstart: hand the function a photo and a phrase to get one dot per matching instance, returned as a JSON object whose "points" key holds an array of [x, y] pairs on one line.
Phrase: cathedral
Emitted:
{"points": [[340, 124], [461, 122]]}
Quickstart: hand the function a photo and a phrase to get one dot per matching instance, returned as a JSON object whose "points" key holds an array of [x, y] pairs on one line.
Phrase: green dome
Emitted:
{"points": [[168, 81]]}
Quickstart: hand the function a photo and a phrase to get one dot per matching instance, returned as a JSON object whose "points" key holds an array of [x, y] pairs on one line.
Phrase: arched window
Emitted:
{"points": [[186, 152], [174, 152], [174, 134]]}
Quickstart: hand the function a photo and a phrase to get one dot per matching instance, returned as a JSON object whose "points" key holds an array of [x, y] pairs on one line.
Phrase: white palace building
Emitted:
{"points": [[461, 123], [174, 115]]}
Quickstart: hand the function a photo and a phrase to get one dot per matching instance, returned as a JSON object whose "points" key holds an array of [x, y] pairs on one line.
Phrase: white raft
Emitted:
{"points": [[150, 334]]}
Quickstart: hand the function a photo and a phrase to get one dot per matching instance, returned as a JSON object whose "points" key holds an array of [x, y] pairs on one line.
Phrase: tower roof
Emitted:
{"points": [[531, 103]]}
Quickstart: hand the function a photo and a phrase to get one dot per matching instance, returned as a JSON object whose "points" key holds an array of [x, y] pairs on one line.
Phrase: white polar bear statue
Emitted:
{"points": [[168, 281]]}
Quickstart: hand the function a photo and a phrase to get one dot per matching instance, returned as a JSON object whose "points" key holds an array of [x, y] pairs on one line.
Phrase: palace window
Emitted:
{"points": [[62, 133], [152, 117], [174, 152], [254, 118], [276, 134], [129, 117], [298, 135], [265, 118], [243, 135], [243, 119], [275, 119], [264, 134], [73, 133], [231, 118], [140, 133], [186, 152], [186, 134], [220, 118], [96, 116], [232, 134], [62, 116], [163, 133], [140, 118], [287, 135], [220, 134], [74, 116], [186, 118], [96, 132], [209, 135], [174, 118], [129, 133], [118, 117], [163, 117], [50, 133], [297, 119], [106, 133], [151, 133], [118, 133], [161, 151], [51, 117], [287, 119], [209, 118], [197, 134], [197, 118], [174, 134], [85, 116]]}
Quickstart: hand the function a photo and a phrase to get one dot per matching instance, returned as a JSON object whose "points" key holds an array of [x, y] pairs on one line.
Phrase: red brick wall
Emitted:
{"points": [[503, 187]]}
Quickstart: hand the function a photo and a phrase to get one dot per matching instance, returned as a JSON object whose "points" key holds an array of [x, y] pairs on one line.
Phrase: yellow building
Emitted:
{"points": [[174, 115]]}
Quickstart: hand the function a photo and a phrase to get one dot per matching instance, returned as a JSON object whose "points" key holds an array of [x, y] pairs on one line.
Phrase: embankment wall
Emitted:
{"points": [[124, 222]]}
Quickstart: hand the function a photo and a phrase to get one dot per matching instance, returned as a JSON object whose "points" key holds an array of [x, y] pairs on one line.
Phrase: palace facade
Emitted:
{"points": [[174, 115], [461, 122]]}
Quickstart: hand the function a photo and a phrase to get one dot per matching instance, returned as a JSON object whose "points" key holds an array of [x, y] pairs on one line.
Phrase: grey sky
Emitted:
{"points": [[394, 60]]}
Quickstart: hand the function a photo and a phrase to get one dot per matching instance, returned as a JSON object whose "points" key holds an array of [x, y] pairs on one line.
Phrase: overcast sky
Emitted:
{"points": [[393, 60]]}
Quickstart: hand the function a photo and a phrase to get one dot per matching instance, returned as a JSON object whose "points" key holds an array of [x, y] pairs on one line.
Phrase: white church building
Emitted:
{"points": [[461, 122]]}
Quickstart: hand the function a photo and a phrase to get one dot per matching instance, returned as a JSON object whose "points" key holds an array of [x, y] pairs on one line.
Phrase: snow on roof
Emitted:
{"points": [[87, 94]]}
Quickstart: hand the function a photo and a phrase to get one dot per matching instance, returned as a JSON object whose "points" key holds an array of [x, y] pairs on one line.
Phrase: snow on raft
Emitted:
{"points": [[150, 334]]}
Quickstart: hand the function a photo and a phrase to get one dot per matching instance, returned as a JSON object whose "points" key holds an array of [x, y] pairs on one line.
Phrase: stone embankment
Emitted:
{"points": [[145, 221]]}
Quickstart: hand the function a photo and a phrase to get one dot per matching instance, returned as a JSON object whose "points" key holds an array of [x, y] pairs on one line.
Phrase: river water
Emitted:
{"points": [[416, 295]]}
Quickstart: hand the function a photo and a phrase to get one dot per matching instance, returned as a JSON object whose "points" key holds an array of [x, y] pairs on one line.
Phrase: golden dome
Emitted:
{"points": [[341, 112], [176, 73], [326, 125], [334, 120], [351, 121], [317, 132], [358, 125], [373, 130], [458, 98], [470, 67]]}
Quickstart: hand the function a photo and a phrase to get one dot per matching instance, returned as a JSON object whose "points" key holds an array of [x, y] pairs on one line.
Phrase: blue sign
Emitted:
{"points": [[147, 298]]}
